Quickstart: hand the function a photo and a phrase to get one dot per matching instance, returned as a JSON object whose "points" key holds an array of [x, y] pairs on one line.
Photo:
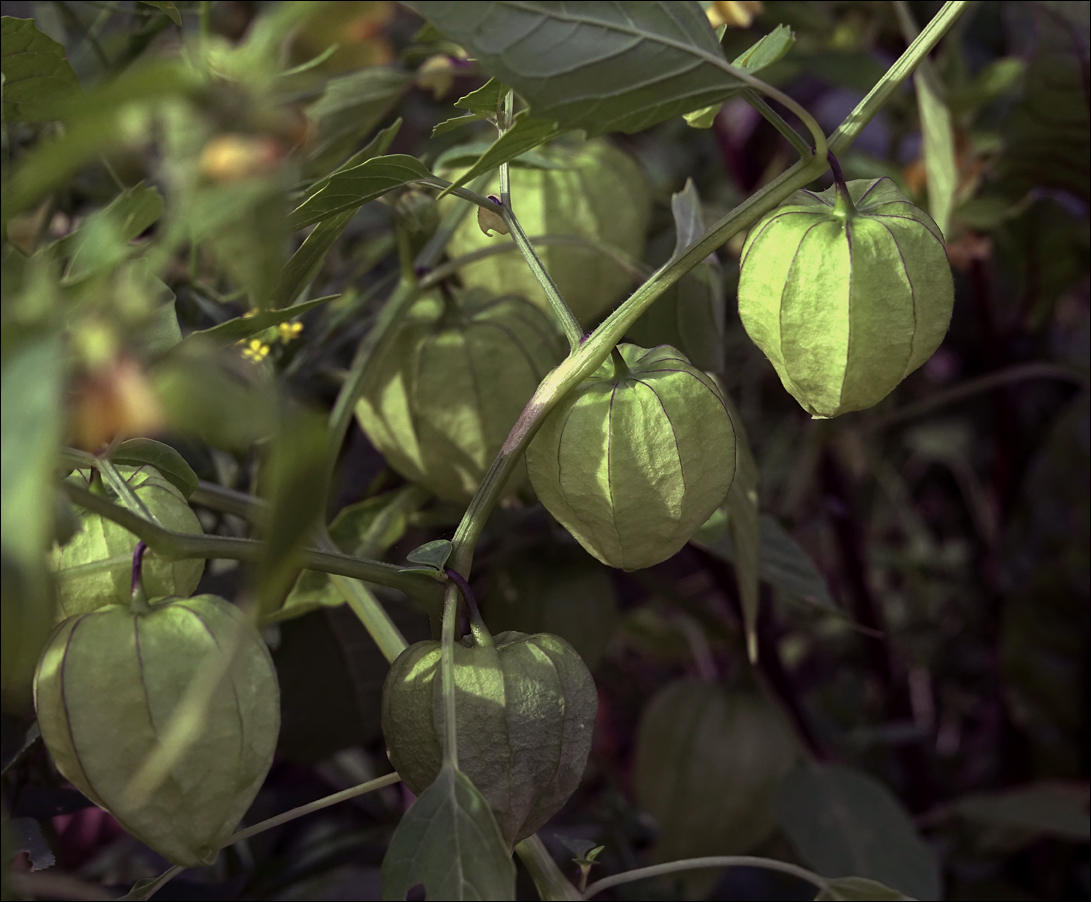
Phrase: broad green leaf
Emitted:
{"points": [[31, 413], [843, 821], [38, 79], [137, 452], [485, 100], [599, 67], [353, 105], [937, 131], [241, 327], [449, 841], [851, 889], [354, 187], [526, 133], [1049, 806], [167, 8]]}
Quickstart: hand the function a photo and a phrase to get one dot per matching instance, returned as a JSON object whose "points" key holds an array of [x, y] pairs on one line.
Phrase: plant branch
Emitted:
{"points": [[777, 121], [713, 861], [548, 878], [174, 546], [447, 677]]}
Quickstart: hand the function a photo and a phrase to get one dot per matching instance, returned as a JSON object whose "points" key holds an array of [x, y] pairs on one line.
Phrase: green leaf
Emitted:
{"points": [[139, 451], [851, 889], [485, 100], [38, 79], [526, 133], [354, 187], [104, 239], [699, 296], [1048, 806], [787, 566], [599, 67], [161, 332], [843, 821], [352, 106], [242, 327], [467, 154], [432, 555], [745, 530], [168, 9], [449, 841]]}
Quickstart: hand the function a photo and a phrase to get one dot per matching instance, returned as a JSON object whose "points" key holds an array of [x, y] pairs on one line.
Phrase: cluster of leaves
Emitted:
{"points": [[911, 581]]}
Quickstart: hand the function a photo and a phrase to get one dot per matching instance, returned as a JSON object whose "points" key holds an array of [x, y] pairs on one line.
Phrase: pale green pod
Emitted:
{"points": [[94, 568], [526, 714], [443, 392], [635, 459], [709, 760], [107, 686], [600, 193], [845, 303]]}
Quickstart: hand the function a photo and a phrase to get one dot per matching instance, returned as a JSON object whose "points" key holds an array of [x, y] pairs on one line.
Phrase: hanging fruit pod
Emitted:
{"points": [[846, 292], [636, 458], [446, 388], [108, 689], [525, 710]]}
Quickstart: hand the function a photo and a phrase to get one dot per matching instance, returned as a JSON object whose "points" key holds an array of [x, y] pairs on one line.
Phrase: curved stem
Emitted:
{"points": [[548, 878], [776, 120], [713, 861], [138, 598], [447, 677], [481, 633]]}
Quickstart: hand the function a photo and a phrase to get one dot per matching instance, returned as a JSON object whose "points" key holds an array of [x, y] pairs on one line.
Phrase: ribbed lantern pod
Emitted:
{"points": [[636, 458], [846, 292], [446, 388]]}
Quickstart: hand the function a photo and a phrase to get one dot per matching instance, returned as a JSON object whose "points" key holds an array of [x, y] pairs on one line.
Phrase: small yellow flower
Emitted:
{"points": [[288, 331], [256, 350], [733, 13]]}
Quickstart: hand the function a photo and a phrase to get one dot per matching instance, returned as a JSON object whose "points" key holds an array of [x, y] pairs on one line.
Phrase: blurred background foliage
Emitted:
{"points": [[919, 710]]}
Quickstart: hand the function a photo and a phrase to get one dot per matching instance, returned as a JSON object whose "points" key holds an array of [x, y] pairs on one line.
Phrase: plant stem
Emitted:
{"points": [[138, 598], [548, 878], [713, 861], [481, 633], [597, 346], [175, 546], [447, 677], [777, 121]]}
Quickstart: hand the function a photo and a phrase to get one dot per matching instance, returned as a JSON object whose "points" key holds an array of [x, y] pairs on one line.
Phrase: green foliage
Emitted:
{"points": [[635, 460], [139, 671], [38, 80]]}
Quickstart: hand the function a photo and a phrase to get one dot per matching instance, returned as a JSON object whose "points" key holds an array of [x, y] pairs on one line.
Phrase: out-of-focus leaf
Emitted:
{"points": [[842, 821], [1049, 806], [601, 68], [998, 78], [168, 9], [172, 466], [938, 139], [38, 79], [233, 330], [293, 481], [31, 412], [353, 105], [526, 133], [859, 889], [449, 841], [161, 332], [366, 529], [1048, 131], [744, 526], [30, 839], [351, 188]]}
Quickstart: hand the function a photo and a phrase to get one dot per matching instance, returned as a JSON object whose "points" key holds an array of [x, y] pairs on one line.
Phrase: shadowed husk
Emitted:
{"points": [[845, 309], [105, 691]]}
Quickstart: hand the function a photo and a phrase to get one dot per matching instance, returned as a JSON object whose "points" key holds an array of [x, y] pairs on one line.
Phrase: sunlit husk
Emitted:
{"points": [[633, 465], [526, 714], [845, 309], [107, 687]]}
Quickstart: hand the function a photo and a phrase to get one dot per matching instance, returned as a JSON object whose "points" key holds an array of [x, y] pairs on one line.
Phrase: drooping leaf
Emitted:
{"points": [[843, 821], [526, 133], [38, 79], [233, 330], [449, 841], [137, 452], [1053, 807], [851, 889], [598, 67], [351, 188]]}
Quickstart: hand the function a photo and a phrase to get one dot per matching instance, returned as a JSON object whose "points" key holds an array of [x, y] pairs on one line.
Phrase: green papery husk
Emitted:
{"points": [[709, 760], [633, 465], [845, 307], [443, 393], [106, 688], [600, 193], [526, 714], [94, 568]]}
